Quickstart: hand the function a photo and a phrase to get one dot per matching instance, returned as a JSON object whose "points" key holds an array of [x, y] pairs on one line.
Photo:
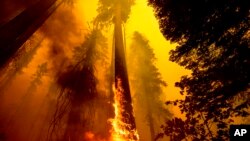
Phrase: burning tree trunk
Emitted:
{"points": [[116, 12], [122, 94]]}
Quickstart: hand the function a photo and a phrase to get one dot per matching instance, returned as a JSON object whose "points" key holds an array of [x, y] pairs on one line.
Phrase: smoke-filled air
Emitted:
{"points": [[123, 70]]}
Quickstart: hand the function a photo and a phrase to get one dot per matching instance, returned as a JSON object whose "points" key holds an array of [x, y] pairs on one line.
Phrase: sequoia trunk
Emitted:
{"points": [[121, 72]]}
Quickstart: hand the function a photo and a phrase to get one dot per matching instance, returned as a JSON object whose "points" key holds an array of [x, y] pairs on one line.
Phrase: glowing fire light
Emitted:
{"points": [[120, 130], [89, 136]]}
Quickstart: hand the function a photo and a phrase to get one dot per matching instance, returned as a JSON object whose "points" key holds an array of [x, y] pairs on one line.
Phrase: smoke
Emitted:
{"points": [[146, 86], [74, 107], [61, 32]]}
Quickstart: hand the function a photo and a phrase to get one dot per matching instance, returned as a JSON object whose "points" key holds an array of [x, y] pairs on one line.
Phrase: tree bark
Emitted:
{"points": [[15, 32], [121, 72]]}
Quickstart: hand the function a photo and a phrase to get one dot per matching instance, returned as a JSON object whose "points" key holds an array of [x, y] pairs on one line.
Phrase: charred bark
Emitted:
{"points": [[121, 72]]}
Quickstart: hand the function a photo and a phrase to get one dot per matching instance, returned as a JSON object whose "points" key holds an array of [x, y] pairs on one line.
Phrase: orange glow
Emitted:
{"points": [[119, 128], [89, 136], [142, 19], [64, 30]]}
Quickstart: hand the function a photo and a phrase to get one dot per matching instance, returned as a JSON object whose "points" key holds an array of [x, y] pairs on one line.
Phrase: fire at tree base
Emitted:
{"points": [[122, 129]]}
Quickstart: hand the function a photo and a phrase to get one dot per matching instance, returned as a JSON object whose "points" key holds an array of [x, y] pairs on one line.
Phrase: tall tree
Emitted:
{"points": [[147, 84], [213, 39], [16, 31], [78, 89], [116, 12]]}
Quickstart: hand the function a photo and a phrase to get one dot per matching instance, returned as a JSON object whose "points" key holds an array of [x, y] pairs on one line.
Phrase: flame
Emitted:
{"points": [[120, 130]]}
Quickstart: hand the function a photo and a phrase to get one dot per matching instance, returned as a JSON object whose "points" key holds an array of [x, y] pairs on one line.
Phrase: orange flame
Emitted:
{"points": [[120, 130]]}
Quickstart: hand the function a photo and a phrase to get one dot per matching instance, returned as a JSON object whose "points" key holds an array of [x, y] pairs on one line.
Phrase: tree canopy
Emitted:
{"points": [[107, 10], [78, 94], [213, 38], [147, 85]]}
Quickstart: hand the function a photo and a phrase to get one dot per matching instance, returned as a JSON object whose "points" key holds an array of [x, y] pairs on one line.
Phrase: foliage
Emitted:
{"points": [[19, 61], [107, 10], [37, 77], [78, 89], [143, 56], [213, 39], [147, 83], [81, 73]]}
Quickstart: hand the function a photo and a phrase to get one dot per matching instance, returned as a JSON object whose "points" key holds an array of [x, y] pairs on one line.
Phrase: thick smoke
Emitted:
{"points": [[63, 31], [26, 112], [73, 64]]}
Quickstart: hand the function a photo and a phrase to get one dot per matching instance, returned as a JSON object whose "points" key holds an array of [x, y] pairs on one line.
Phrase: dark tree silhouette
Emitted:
{"points": [[16, 31], [147, 84], [78, 90], [213, 39]]}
